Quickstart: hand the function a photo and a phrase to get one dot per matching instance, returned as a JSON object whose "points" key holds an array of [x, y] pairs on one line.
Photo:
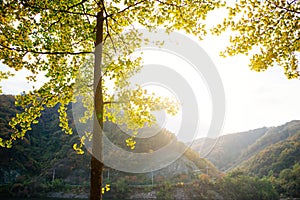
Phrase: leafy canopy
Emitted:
{"points": [[57, 38], [268, 27]]}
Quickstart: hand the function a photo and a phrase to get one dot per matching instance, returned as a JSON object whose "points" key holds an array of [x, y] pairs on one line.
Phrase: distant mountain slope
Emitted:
{"points": [[272, 136], [189, 161], [225, 150], [275, 158], [229, 151]]}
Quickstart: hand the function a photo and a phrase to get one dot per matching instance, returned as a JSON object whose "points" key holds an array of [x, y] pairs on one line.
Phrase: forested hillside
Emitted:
{"points": [[45, 157], [269, 153], [225, 150], [44, 162], [273, 136], [229, 151]]}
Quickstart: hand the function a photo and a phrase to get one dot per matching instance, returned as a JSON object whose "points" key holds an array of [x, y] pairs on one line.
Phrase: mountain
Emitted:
{"points": [[272, 136], [274, 158], [44, 161], [260, 155], [225, 150], [257, 151], [43, 157]]}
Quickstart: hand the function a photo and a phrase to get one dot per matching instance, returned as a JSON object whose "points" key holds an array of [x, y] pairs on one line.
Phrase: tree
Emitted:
{"points": [[289, 181], [268, 27], [57, 37]]}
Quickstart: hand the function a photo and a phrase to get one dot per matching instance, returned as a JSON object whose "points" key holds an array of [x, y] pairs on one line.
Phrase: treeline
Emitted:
{"points": [[233, 186]]}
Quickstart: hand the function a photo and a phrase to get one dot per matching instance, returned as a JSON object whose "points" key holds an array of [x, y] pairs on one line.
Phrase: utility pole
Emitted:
{"points": [[53, 175], [152, 178], [207, 170]]}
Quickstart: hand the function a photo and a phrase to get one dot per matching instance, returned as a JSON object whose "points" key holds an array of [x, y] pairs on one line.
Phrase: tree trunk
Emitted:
{"points": [[96, 161]]}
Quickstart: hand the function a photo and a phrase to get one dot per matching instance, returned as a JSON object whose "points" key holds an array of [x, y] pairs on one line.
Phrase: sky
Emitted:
{"points": [[253, 99]]}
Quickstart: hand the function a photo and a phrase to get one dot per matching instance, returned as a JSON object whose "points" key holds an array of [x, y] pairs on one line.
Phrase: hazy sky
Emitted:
{"points": [[253, 99]]}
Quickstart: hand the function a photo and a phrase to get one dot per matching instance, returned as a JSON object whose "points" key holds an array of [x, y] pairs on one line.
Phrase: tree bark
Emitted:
{"points": [[96, 161]]}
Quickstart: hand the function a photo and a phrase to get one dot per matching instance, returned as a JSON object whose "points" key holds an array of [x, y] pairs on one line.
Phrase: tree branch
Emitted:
{"points": [[130, 6], [45, 52], [284, 8], [107, 28], [87, 16], [59, 10], [114, 102], [75, 5]]}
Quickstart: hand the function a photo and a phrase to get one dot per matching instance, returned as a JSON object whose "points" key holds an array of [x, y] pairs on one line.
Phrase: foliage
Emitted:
{"points": [[289, 181], [122, 185], [240, 186], [236, 185], [120, 189], [57, 184], [61, 37], [31, 162], [268, 27], [275, 158], [271, 156], [106, 188], [165, 191], [56, 37]]}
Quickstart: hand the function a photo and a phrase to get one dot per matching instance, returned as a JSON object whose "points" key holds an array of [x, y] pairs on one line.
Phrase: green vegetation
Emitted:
{"points": [[35, 166], [261, 149], [57, 38], [239, 186], [267, 30], [275, 158], [233, 186], [29, 166], [289, 181], [54, 37], [266, 154]]}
